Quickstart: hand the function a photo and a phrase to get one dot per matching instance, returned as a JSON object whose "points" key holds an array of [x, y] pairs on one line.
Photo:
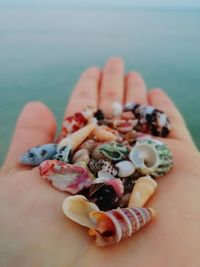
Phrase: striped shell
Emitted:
{"points": [[151, 157], [115, 225]]}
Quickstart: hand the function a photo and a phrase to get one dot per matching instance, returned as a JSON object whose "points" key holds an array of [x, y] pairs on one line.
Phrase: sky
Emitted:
{"points": [[105, 3]]}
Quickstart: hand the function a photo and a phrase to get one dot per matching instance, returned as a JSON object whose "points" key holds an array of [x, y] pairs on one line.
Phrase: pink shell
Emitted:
{"points": [[64, 176]]}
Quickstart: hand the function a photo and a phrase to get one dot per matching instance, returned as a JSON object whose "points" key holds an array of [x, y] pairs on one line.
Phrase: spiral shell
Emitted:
{"points": [[38, 154], [142, 191], [77, 208], [118, 224], [77, 138], [151, 157], [103, 133], [114, 151]]}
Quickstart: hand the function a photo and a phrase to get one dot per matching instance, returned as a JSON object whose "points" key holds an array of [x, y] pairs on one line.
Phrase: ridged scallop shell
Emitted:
{"points": [[142, 191], [64, 176], [125, 168], [38, 154], [151, 157], [64, 154], [114, 151], [78, 137], [115, 225], [77, 208]]}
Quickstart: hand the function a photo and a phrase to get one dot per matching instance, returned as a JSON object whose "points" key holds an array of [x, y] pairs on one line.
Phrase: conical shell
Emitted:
{"points": [[115, 225], [151, 157], [142, 191], [77, 137], [77, 208], [102, 133]]}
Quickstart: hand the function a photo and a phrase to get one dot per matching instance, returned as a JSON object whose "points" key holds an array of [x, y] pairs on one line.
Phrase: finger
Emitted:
{"points": [[35, 126], [85, 91], [112, 84], [135, 89], [161, 101]]}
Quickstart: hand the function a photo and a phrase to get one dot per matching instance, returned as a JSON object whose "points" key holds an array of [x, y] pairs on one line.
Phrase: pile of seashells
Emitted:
{"points": [[109, 163]]}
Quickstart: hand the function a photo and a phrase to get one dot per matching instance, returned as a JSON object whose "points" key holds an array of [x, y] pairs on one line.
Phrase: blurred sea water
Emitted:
{"points": [[43, 52]]}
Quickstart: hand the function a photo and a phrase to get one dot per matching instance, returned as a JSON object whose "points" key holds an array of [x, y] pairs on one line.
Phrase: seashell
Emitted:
{"points": [[114, 151], [64, 154], [81, 155], [115, 183], [99, 115], [115, 225], [117, 109], [104, 174], [128, 184], [77, 208], [151, 157], [97, 165], [127, 115], [125, 168], [104, 196], [38, 154], [103, 133], [78, 137], [142, 191], [64, 176], [124, 126], [73, 123], [156, 121], [89, 145]]}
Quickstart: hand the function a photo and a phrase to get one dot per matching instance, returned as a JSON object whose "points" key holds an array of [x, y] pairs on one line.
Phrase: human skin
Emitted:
{"points": [[34, 230]]}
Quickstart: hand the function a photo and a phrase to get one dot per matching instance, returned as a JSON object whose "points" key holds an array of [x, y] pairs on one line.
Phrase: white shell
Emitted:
{"points": [[125, 167], [77, 208], [117, 109]]}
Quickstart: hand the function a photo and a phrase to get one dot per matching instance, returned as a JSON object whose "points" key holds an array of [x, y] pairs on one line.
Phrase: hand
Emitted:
{"points": [[34, 231]]}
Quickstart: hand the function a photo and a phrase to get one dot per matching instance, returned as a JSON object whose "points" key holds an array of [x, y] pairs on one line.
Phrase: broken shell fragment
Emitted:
{"points": [[77, 208], [38, 154], [125, 168], [77, 138], [64, 154], [64, 176], [115, 225], [142, 191], [151, 157], [114, 151]]}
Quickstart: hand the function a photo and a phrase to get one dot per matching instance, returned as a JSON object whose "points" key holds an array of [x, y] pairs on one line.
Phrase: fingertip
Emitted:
{"points": [[92, 73], [114, 65]]}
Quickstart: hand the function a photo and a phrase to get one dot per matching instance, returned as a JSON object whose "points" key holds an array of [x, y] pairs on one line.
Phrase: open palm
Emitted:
{"points": [[34, 230]]}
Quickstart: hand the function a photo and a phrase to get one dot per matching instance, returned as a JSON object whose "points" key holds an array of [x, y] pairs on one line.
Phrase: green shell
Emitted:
{"points": [[151, 157], [114, 151]]}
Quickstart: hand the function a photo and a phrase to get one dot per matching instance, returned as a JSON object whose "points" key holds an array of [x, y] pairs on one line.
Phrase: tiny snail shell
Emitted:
{"points": [[125, 168]]}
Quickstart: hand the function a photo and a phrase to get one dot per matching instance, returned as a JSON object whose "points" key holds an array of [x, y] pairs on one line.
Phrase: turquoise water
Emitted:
{"points": [[43, 52]]}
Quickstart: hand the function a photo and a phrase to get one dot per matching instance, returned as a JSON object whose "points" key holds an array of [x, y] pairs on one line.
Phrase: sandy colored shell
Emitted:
{"points": [[115, 225], [81, 156], [142, 191], [151, 157], [77, 208], [77, 137], [103, 134]]}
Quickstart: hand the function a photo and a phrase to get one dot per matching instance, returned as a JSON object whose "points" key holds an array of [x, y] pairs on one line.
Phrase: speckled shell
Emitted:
{"points": [[115, 225], [38, 154], [151, 157], [78, 137], [125, 168], [142, 191], [64, 176], [114, 151], [150, 119], [97, 165], [64, 154], [77, 208]]}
